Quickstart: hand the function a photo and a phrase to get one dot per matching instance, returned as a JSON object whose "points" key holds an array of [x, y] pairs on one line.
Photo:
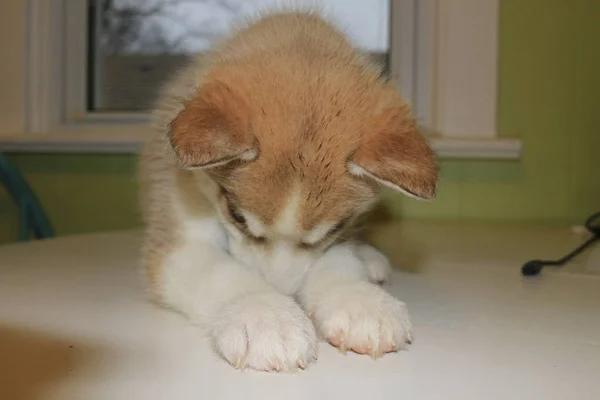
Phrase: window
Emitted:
{"points": [[93, 67], [136, 44]]}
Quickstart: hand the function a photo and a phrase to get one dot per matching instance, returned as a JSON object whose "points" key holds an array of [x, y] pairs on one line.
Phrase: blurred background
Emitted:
{"points": [[547, 101], [136, 44]]}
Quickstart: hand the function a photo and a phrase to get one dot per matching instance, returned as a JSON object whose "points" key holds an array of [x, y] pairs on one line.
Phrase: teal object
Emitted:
{"points": [[32, 217]]}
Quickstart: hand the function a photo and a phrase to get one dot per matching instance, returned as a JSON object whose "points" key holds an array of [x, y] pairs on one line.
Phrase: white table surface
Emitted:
{"points": [[75, 324]]}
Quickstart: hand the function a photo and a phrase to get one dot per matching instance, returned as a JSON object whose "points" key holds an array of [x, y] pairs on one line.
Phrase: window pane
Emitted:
{"points": [[136, 44]]}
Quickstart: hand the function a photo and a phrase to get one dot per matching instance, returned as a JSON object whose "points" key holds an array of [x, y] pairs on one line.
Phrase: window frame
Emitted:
{"points": [[427, 56]]}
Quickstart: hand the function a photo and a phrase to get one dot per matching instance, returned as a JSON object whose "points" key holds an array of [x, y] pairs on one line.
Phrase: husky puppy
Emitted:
{"points": [[265, 152]]}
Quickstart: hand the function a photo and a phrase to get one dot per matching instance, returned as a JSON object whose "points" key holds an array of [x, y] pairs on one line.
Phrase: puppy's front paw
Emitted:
{"points": [[267, 332], [364, 318]]}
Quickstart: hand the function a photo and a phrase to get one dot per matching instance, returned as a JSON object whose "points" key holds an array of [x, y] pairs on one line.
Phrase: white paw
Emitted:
{"points": [[266, 332], [364, 318], [376, 264]]}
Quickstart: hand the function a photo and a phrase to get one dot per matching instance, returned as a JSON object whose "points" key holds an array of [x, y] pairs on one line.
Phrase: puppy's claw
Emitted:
{"points": [[375, 355], [276, 366], [342, 348], [238, 363]]}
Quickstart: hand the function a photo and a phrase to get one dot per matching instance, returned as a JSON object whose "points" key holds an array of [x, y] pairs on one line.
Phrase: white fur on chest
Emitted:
{"points": [[280, 267]]}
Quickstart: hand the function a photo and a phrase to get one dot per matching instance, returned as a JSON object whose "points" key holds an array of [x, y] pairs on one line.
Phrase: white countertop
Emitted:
{"points": [[75, 324]]}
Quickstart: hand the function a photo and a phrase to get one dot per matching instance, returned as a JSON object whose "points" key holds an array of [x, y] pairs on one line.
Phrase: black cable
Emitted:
{"points": [[534, 267]]}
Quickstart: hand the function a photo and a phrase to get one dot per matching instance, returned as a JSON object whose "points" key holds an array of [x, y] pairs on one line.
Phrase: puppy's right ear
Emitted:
{"points": [[213, 129]]}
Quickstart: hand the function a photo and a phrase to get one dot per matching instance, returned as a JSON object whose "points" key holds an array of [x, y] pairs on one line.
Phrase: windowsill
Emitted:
{"points": [[101, 140]]}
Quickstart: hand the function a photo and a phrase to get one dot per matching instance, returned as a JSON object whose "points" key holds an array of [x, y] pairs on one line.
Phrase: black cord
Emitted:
{"points": [[534, 267]]}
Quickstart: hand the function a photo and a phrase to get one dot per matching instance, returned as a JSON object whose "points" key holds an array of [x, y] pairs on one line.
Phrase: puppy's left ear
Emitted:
{"points": [[396, 155]]}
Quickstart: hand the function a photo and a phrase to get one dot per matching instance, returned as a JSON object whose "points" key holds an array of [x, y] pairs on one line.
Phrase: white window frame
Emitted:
{"points": [[443, 55]]}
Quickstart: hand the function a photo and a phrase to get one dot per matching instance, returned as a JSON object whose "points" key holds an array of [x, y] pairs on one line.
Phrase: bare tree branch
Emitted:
{"points": [[135, 28]]}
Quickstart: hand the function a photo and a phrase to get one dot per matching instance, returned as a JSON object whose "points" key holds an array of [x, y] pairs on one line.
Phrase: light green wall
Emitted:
{"points": [[81, 193], [549, 91]]}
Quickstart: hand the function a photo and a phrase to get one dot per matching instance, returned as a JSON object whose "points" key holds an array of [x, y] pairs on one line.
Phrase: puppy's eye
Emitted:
{"points": [[332, 232], [235, 214], [240, 220], [307, 246], [338, 227]]}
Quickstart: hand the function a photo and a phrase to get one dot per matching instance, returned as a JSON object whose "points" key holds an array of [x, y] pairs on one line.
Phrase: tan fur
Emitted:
{"points": [[264, 149], [161, 181], [292, 94], [295, 90]]}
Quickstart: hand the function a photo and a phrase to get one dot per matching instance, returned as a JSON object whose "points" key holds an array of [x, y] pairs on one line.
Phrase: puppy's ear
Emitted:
{"points": [[395, 154], [213, 129]]}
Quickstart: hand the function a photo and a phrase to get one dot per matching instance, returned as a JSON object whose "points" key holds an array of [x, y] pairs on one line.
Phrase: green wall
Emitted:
{"points": [[81, 193], [549, 86]]}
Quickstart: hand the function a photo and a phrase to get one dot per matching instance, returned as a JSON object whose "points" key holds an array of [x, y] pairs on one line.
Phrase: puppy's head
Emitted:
{"points": [[299, 155]]}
